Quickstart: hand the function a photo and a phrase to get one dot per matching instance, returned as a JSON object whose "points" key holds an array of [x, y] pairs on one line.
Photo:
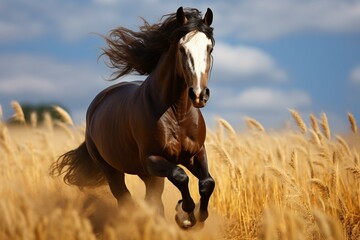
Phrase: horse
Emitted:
{"points": [[149, 128]]}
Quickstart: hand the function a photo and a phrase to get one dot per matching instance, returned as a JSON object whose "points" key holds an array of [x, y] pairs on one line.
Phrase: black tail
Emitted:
{"points": [[79, 168]]}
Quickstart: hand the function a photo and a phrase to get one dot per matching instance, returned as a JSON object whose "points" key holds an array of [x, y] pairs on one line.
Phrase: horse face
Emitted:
{"points": [[195, 62]]}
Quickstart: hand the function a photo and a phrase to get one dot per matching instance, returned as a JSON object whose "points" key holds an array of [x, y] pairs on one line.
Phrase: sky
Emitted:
{"points": [[269, 56]]}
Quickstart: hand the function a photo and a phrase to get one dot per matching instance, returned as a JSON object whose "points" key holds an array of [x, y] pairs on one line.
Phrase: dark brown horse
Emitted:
{"points": [[149, 128]]}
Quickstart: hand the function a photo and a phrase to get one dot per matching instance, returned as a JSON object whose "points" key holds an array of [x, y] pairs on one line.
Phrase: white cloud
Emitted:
{"points": [[10, 31], [246, 62], [24, 84], [355, 75], [271, 19], [35, 79], [254, 19], [43, 76], [267, 99]]}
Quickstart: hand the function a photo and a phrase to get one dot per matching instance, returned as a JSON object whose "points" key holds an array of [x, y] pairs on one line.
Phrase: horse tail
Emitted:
{"points": [[79, 168]]}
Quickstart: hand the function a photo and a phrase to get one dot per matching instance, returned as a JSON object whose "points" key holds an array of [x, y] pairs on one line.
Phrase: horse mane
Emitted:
{"points": [[139, 52]]}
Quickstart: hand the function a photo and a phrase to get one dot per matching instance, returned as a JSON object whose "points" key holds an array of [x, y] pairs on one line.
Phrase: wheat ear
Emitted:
{"points": [[325, 126], [320, 186], [252, 123], [65, 116], [48, 122], [314, 123], [315, 138], [352, 123], [18, 112], [299, 121], [229, 129], [33, 119], [355, 171]]}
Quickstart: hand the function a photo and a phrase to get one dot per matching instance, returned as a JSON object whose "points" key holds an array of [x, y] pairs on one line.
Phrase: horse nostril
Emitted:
{"points": [[192, 93], [207, 92]]}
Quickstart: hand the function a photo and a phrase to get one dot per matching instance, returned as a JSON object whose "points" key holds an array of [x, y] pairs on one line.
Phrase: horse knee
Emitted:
{"points": [[206, 187], [179, 177]]}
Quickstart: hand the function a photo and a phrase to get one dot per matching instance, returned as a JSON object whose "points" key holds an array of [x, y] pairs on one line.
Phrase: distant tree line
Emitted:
{"points": [[40, 110]]}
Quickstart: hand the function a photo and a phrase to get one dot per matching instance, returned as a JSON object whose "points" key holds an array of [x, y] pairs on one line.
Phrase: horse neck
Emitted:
{"points": [[167, 88]]}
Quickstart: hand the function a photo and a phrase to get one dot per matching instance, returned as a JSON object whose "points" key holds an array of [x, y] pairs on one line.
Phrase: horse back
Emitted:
{"points": [[106, 92]]}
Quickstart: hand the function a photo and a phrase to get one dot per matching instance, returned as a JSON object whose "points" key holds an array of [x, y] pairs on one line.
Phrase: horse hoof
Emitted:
{"points": [[183, 219]]}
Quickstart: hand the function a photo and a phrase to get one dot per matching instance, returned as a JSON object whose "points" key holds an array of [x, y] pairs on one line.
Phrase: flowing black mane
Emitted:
{"points": [[139, 52]]}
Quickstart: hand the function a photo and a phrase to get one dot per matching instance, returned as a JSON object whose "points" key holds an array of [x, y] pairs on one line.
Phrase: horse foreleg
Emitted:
{"points": [[154, 189], [159, 166], [199, 168]]}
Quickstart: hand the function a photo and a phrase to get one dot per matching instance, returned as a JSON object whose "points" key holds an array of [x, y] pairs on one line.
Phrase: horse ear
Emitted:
{"points": [[180, 16], [208, 18]]}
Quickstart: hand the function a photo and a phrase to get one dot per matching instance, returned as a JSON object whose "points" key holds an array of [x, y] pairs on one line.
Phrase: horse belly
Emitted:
{"points": [[118, 151], [124, 159]]}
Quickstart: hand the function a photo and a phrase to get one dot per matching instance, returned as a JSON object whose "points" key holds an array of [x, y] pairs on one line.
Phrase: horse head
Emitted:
{"points": [[195, 60]]}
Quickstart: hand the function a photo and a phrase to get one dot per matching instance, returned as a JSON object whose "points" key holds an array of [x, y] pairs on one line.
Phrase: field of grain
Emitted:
{"points": [[297, 183]]}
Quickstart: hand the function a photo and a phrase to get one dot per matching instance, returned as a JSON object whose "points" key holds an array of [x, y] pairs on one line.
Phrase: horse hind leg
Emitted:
{"points": [[115, 178], [154, 189], [117, 186]]}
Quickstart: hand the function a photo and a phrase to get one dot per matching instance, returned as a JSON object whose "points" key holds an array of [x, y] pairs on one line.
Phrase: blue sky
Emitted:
{"points": [[269, 55]]}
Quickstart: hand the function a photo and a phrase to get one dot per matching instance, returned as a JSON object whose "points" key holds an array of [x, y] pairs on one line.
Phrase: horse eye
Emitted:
{"points": [[211, 50]]}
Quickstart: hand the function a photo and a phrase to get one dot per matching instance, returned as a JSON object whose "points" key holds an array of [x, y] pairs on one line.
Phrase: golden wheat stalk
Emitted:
{"points": [[299, 121], [18, 112], [65, 116], [352, 123], [315, 138], [355, 171], [320, 136], [253, 124], [320, 186], [293, 160], [343, 144], [48, 122], [326, 226], [33, 119], [219, 133], [325, 126], [356, 158], [64, 127], [229, 129], [281, 174], [314, 123]]}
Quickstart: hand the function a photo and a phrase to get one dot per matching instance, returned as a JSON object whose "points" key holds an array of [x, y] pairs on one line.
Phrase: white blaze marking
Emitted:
{"points": [[195, 45]]}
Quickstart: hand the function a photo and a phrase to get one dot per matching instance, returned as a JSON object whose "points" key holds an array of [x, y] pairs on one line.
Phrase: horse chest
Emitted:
{"points": [[180, 144]]}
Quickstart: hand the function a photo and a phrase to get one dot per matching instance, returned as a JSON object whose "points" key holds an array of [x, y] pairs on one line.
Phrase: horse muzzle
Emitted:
{"points": [[199, 98]]}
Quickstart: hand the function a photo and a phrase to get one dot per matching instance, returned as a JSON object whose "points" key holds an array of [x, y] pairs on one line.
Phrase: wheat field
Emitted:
{"points": [[298, 183]]}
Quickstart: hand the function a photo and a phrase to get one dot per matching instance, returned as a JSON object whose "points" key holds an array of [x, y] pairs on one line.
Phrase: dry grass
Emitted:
{"points": [[269, 185]]}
